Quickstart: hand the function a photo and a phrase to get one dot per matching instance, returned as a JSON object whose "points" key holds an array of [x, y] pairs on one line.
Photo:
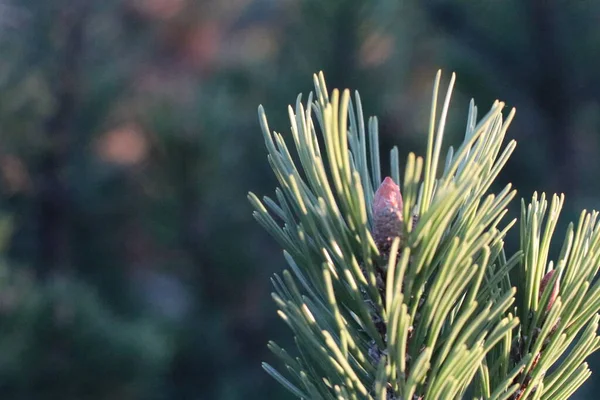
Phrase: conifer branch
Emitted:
{"points": [[407, 294]]}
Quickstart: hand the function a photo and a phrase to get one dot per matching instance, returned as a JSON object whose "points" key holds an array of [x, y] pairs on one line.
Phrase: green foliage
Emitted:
{"points": [[57, 336], [439, 317]]}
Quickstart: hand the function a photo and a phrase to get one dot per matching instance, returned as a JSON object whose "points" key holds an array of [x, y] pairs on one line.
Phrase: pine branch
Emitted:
{"points": [[407, 294]]}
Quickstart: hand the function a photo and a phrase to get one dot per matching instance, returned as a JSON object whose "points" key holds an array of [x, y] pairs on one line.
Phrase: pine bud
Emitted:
{"points": [[555, 289], [387, 215]]}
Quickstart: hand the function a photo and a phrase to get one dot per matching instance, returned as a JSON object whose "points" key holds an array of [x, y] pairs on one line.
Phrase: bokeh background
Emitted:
{"points": [[131, 267]]}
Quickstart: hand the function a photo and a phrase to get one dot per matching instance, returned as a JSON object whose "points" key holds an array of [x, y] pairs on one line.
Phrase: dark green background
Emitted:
{"points": [[132, 268]]}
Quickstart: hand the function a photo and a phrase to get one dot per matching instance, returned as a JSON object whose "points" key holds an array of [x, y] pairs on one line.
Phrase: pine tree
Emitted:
{"points": [[403, 288]]}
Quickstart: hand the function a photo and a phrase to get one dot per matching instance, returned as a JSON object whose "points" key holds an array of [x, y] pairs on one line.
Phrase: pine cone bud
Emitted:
{"points": [[555, 289], [387, 215]]}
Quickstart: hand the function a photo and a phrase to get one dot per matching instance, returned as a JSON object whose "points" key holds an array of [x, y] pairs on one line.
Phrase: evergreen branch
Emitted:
{"points": [[408, 296]]}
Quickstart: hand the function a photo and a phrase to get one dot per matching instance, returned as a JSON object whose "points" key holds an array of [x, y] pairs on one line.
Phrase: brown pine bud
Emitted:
{"points": [[555, 289], [387, 215]]}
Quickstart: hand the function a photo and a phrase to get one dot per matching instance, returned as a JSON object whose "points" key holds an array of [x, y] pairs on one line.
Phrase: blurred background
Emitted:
{"points": [[131, 267]]}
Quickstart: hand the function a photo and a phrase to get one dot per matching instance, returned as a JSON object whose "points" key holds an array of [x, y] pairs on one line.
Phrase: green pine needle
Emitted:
{"points": [[436, 315]]}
